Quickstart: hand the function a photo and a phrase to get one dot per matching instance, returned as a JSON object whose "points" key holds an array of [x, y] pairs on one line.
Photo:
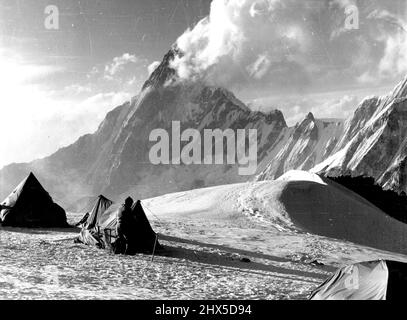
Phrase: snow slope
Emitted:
{"points": [[323, 207], [298, 201], [206, 233]]}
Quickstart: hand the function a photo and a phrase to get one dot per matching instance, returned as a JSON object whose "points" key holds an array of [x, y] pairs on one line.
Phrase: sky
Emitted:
{"points": [[60, 77]]}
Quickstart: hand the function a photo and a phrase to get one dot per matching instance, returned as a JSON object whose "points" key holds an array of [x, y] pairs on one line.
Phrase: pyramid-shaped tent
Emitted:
{"points": [[30, 205], [90, 219], [100, 230]]}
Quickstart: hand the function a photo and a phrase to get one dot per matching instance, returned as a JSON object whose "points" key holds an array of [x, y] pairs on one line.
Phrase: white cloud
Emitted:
{"points": [[123, 73], [391, 31], [93, 72], [34, 123], [260, 67], [78, 89], [394, 61], [292, 45], [118, 64], [242, 40], [152, 67], [14, 72]]}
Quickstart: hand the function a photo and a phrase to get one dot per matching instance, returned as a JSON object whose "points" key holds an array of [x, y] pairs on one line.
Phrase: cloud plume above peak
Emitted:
{"points": [[240, 40], [280, 44]]}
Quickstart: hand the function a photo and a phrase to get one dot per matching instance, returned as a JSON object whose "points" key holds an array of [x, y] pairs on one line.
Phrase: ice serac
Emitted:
{"points": [[115, 159], [374, 142]]}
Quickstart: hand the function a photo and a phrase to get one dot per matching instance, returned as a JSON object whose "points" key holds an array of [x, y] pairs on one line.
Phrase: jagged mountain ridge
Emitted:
{"points": [[301, 147], [375, 143], [114, 160], [372, 142]]}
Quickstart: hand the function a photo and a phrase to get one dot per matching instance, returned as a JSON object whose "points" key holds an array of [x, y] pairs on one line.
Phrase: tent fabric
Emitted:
{"points": [[101, 205], [361, 281], [83, 220], [100, 231], [30, 205], [373, 280], [143, 236]]}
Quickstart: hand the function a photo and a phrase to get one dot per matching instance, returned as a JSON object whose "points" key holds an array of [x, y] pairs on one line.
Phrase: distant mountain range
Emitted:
{"points": [[115, 159], [372, 142]]}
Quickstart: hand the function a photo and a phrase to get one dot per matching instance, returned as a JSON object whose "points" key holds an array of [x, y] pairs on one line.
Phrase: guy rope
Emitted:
{"points": [[156, 234]]}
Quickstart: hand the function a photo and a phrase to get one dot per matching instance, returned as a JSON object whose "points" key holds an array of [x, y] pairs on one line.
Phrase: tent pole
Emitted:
{"points": [[155, 244]]}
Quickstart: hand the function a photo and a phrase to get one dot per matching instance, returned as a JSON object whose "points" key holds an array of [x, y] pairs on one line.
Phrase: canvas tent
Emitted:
{"points": [[90, 218], [100, 230], [30, 205], [373, 280]]}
